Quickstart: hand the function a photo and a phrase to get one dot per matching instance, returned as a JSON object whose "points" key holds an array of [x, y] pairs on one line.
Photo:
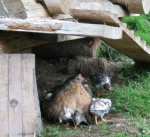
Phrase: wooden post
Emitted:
{"points": [[19, 106]]}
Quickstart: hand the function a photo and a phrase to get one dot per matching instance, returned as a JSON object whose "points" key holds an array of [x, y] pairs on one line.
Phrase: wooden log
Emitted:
{"points": [[99, 11], [60, 6], [7, 9], [60, 27], [18, 98], [22, 9], [135, 6], [80, 47]]}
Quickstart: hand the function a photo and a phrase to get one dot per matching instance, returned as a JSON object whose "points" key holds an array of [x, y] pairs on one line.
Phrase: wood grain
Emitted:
{"points": [[29, 116], [18, 96], [4, 96], [60, 27], [15, 97]]}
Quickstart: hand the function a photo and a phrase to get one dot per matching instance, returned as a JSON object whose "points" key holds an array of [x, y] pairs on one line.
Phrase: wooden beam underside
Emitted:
{"points": [[130, 45], [60, 27]]}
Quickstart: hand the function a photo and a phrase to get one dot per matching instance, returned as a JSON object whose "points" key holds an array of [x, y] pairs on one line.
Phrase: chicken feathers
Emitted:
{"points": [[73, 96]]}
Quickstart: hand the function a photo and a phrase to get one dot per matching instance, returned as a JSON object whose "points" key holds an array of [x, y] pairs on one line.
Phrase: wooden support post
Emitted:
{"points": [[18, 96]]}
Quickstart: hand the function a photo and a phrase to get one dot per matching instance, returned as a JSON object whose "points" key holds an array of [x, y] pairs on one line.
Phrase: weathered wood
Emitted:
{"points": [[4, 129], [67, 38], [130, 45], [39, 125], [60, 27], [28, 102], [17, 95], [60, 6], [34, 10], [99, 11], [80, 47], [15, 8], [22, 9], [135, 6]]}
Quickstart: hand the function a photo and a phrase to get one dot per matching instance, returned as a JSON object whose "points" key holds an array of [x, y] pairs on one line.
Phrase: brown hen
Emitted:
{"points": [[72, 96]]}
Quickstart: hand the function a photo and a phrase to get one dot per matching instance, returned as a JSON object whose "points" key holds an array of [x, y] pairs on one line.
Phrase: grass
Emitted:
{"points": [[141, 25], [130, 113]]}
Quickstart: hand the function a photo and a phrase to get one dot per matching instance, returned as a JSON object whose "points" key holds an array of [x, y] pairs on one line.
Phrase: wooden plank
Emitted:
{"points": [[61, 27], [29, 116], [15, 96], [130, 45], [34, 10], [4, 96], [39, 125]]}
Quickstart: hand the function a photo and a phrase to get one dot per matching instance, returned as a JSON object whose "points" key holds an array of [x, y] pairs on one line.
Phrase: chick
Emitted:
{"points": [[100, 107], [104, 82]]}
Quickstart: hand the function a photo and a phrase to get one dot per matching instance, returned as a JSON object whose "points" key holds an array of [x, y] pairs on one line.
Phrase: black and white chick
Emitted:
{"points": [[100, 107], [102, 81]]}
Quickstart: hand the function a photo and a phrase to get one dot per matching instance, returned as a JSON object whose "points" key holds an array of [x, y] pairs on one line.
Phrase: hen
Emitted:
{"points": [[72, 97], [100, 107]]}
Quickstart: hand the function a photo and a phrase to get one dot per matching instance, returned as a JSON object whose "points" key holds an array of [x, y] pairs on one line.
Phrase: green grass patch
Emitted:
{"points": [[133, 97], [141, 25]]}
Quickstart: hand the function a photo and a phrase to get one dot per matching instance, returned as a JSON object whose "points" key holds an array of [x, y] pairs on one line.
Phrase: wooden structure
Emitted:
{"points": [[31, 24], [19, 105], [70, 20]]}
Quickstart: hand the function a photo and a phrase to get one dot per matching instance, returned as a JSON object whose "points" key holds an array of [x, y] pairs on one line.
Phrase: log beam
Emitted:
{"points": [[98, 11], [60, 27], [135, 6]]}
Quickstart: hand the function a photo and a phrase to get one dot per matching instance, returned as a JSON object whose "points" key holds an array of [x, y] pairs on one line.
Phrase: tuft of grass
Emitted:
{"points": [[141, 25]]}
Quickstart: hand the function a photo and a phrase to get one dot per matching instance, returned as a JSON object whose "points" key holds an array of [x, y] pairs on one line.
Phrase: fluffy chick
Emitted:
{"points": [[99, 108]]}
